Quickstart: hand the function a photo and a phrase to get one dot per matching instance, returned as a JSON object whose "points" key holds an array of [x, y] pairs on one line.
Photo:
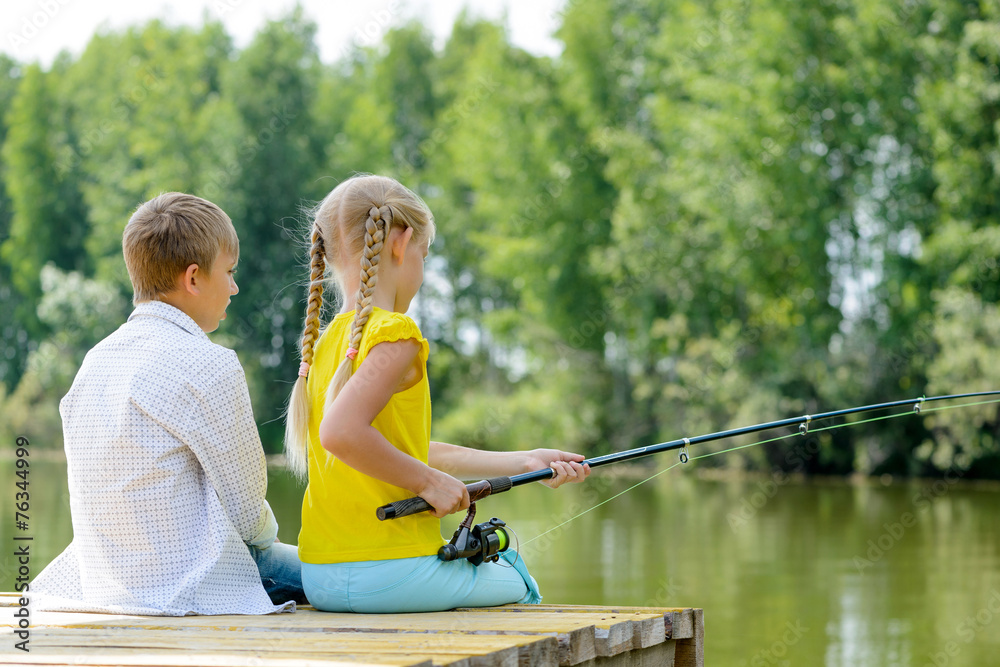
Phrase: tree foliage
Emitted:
{"points": [[698, 215]]}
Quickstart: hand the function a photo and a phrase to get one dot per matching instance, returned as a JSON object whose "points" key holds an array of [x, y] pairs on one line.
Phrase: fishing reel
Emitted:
{"points": [[482, 542]]}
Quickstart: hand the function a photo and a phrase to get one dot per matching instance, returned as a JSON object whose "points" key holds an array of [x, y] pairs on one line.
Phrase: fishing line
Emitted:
{"points": [[621, 493], [918, 409], [517, 550]]}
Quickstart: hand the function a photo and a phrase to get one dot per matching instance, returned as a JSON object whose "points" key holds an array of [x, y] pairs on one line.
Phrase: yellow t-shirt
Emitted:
{"points": [[338, 511]]}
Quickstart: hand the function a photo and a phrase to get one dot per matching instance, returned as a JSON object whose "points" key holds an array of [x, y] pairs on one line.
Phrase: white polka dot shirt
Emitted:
{"points": [[167, 478]]}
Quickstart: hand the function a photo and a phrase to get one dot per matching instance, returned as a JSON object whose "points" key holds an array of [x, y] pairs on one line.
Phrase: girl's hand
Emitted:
{"points": [[568, 466], [444, 493]]}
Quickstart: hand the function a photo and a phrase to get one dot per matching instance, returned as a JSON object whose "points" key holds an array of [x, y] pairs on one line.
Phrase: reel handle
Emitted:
{"points": [[415, 505]]}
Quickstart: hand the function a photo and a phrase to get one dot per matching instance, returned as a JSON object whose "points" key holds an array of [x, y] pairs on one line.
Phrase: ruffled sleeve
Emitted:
{"points": [[386, 327]]}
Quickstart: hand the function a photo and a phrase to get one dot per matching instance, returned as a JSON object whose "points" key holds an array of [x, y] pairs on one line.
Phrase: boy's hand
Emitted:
{"points": [[444, 493], [568, 466]]}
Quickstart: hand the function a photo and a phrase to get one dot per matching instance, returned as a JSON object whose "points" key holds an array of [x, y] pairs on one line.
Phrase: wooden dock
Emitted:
{"points": [[508, 636]]}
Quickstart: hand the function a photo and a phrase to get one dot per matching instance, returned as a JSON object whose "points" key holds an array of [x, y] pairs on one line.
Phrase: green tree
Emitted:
{"points": [[698, 215], [14, 336], [272, 87], [48, 221], [78, 312], [156, 122], [717, 262], [959, 111], [518, 201]]}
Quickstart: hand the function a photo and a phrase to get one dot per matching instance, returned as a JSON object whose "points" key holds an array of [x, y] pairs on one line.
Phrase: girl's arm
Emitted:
{"points": [[466, 463], [347, 432]]}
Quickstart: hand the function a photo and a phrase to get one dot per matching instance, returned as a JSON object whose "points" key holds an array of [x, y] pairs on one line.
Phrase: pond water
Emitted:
{"points": [[788, 572]]}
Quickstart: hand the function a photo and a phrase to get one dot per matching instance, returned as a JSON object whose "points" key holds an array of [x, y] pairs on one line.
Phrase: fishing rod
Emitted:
{"points": [[487, 487]]}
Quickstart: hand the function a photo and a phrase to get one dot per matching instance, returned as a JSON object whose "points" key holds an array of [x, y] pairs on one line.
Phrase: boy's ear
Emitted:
{"points": [[398, 244], [189, 280]]}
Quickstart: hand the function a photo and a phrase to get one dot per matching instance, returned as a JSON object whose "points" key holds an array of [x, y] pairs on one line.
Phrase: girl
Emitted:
{"points": [[360, 417]]}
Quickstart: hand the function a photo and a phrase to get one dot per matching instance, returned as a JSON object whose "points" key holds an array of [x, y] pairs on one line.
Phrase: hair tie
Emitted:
{"points": [[352, 352], [303, 370]]}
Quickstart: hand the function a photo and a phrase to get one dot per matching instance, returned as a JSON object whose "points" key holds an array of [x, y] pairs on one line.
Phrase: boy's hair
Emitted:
{"points": [[169, 233], [348, 230]]}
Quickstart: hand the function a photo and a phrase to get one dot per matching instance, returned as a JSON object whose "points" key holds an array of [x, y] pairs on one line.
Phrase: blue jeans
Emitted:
{"points": [[423, 583], [280, 572]]}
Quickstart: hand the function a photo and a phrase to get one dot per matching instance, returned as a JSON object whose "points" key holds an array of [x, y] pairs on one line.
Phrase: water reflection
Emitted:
{"points": [[788, 573]]}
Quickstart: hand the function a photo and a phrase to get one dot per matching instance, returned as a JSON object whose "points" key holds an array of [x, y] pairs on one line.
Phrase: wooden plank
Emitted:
{"points": [[617, 633], [307, 620], [683, 624], [443, 648], [678, 621], [504, 658], [613, 638], [691, 652], [10, 599], [163, 657], [574, 633], [620, 632], [526, 634], [505, 650], [661, 655], [614, 632], [252, 658], [573, 608]]}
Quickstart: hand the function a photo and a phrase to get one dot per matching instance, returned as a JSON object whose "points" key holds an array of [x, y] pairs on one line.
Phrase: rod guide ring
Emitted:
{"points": [[684, 452]]}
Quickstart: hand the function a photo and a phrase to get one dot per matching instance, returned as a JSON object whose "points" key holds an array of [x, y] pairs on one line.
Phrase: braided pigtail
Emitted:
{"points": [[351, 224], [297, 416], [376, 228]]}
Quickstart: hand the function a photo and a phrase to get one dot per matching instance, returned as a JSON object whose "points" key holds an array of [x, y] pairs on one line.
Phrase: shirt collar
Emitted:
{"points": [[167, 312]]}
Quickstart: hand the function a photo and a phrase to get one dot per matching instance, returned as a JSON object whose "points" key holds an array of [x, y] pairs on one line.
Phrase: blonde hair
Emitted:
{"points": [[348, 230], [169, 233]]}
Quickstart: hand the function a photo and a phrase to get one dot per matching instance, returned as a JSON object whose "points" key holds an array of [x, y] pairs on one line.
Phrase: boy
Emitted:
{"points": [[166, 471]]}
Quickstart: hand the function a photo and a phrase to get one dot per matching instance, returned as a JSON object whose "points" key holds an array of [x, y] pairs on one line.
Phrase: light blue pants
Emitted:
{"points": [[423, 583]]}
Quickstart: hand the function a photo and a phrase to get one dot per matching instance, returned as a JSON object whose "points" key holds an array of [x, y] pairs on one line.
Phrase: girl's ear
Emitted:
{"points": [[399, 243]]}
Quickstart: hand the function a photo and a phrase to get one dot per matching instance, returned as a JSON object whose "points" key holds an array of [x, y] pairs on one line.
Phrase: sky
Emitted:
{"points": [[37, 30]]}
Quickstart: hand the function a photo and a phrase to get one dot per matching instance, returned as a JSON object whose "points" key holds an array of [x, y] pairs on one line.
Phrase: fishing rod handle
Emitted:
{"points": [[415, 505]]}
